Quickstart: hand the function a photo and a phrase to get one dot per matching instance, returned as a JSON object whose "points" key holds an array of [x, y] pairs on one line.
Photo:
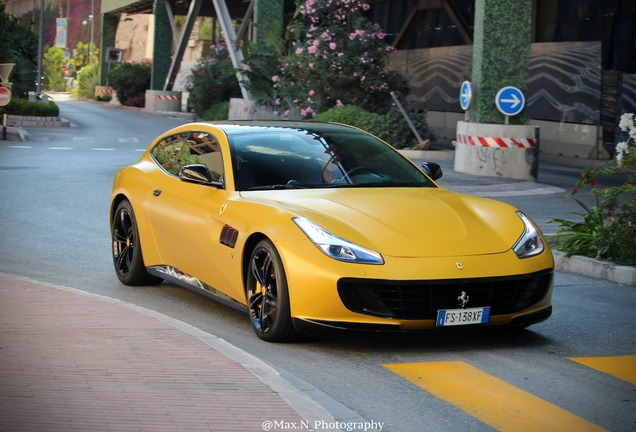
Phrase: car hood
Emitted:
{"points": [[404, 222]]}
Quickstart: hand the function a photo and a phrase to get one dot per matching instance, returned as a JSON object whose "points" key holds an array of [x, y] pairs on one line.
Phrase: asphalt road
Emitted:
{"points": [[54, 195]]}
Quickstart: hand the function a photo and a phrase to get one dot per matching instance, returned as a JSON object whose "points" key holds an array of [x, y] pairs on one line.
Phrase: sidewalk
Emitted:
{"points": [[76, 361]]}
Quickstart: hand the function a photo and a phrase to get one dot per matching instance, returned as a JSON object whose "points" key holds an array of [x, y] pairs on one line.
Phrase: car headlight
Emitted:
{"points": [[335, 247], [530, 243]]}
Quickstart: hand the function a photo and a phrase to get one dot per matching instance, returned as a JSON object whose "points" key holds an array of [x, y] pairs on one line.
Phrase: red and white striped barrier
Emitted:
{"points": [[496, 142], [168, 97]]}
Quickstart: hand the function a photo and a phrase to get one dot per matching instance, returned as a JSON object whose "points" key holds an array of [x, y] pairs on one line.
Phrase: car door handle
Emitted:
{"points": [[156, 192]]}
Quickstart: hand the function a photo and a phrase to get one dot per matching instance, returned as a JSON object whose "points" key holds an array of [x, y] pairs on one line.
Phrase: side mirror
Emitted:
{"points": [[197, 173], [433, 170]]}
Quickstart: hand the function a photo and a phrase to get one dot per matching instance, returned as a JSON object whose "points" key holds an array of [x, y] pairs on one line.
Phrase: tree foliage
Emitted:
{"points": [[53, 73], [18, 45]]}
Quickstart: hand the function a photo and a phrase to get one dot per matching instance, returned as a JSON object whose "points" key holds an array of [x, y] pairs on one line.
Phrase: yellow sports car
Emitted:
{"points": [[311, 226]]}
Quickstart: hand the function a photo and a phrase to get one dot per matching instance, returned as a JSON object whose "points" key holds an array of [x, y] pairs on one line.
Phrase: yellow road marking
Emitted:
{"points": [[489, 399], [621, 367]]}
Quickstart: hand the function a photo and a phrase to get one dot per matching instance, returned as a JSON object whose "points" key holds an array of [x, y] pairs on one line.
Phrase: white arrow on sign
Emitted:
{"points": [[509, 101], [514, 101]]}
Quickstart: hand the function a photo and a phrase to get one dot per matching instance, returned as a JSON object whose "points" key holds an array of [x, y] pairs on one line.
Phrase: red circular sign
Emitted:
{"points": [[5, 96]]}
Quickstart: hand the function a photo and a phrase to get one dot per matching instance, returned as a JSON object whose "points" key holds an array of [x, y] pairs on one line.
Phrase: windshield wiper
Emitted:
{"points": [[279, 186], [374, 184]]}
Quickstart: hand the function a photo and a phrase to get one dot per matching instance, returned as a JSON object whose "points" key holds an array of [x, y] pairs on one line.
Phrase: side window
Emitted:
{"points": [[188, 148]]}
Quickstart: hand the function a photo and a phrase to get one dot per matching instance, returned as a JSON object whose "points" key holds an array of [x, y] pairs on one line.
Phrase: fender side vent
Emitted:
{"points": [[229, 236]]}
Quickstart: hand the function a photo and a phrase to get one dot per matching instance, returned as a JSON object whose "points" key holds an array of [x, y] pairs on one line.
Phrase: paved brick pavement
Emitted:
{"points": [[75, 362]]}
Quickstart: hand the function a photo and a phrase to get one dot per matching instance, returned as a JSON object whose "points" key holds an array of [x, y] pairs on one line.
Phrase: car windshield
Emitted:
{"points": [[324, 156]]}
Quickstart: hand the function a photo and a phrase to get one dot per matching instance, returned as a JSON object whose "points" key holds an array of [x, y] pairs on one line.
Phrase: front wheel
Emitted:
{"points": [[268, 297], [127, 258]]}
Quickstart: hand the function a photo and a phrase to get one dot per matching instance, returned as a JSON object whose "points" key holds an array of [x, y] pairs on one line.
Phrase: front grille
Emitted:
{"points": [[420, 300]]}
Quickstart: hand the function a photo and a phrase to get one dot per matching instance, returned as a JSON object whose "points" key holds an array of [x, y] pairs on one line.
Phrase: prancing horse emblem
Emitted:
{"points": [[459, 265], [463, 299]]}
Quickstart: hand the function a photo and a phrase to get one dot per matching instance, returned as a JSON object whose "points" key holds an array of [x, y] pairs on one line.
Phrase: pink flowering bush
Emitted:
{"points": [[333, 56], [213, 80]]}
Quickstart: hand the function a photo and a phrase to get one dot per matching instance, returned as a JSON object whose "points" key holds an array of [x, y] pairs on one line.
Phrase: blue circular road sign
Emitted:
{"points": [[465, 93], [510, 101]]}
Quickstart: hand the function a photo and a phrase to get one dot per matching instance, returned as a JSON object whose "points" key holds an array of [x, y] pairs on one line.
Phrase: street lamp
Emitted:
{"points": [[90, 44], [92, 33], [90, 47]]}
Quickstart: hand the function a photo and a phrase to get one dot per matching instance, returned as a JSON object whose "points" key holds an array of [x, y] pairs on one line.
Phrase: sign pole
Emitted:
{"points": [[4, 124]]}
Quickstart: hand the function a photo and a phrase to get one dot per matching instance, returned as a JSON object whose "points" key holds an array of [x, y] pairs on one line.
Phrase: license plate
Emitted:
{"points": [[453, 317]]}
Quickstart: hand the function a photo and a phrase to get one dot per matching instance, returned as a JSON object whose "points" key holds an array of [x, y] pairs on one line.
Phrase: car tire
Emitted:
{"points": [[126, 249], [267, 295]]}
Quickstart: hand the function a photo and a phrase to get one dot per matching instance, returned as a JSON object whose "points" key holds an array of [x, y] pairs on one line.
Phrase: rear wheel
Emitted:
{"points": [[127, 257], [268, 297]]}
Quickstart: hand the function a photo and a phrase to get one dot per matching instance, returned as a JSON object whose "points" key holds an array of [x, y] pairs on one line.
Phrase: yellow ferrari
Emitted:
{"points": [[313, 226]]}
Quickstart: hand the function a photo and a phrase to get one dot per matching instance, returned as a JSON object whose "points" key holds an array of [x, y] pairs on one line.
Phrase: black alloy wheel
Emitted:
{"points": [[127, 257], [268, 297]]}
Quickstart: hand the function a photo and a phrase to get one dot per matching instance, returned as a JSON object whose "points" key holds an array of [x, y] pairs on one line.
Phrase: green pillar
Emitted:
{"points": [[266, 11], [162, 55], [501, 54], [109, 31]]}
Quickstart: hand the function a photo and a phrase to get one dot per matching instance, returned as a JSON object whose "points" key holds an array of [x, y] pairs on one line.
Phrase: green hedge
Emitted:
{"points": [[218, 111], [23, 107], [391, 127]]}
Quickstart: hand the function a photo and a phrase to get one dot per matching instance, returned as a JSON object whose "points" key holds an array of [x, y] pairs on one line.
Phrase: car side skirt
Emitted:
{"points": [[174, 275]]}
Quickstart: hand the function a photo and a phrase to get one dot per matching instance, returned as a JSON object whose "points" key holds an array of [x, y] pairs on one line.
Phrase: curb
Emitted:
{"points": [[36, 121], [584, 266]]}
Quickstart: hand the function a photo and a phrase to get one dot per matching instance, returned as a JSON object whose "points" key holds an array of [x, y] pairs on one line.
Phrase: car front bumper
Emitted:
{"points": [[405, 293]]}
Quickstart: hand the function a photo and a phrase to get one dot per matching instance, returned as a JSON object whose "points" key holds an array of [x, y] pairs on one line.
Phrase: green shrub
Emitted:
{"points": [[390, 127], [53, 73], [23, 107], [217, 111], [87, 80], [130, 81], [608, 229]]}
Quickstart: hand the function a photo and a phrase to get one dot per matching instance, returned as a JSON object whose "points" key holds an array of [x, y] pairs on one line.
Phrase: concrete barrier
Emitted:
{"points": [[240, 109], [159, 100], [104, 92], [496, 150]]}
